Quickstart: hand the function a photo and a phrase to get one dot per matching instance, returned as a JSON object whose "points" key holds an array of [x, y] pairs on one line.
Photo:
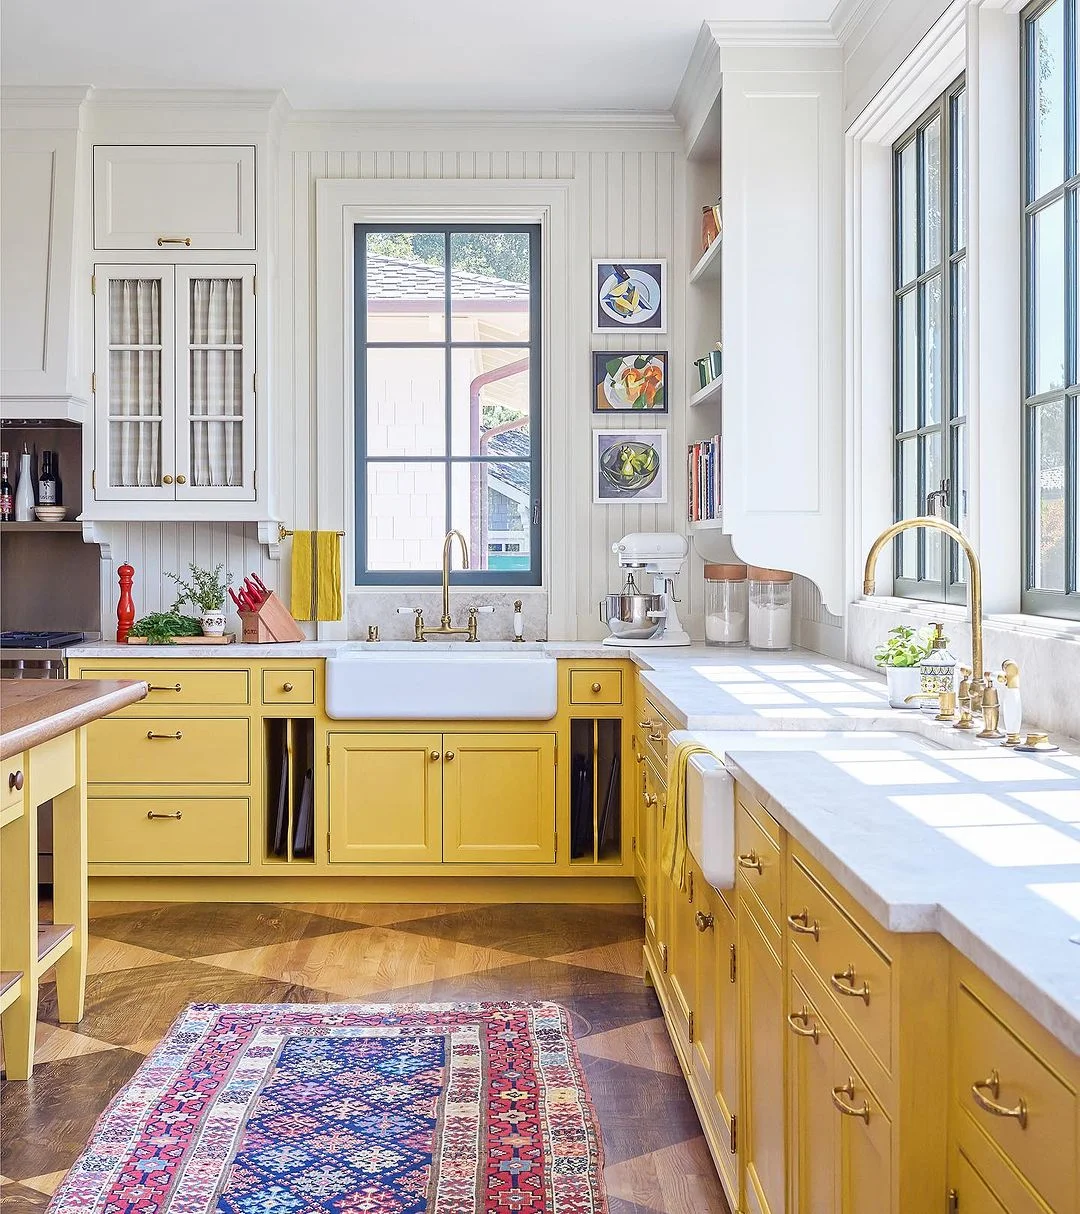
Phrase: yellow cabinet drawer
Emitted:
{"points": [[653, 729], [850, 965], [13, 777], [758, 859], [169, 750], [163, 830], [1026, 1107], [52, 767], [288, 686], [179, 686], [595, 686]]}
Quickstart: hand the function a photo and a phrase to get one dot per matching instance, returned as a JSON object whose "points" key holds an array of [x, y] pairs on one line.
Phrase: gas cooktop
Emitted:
{"points": [[39, 640]]}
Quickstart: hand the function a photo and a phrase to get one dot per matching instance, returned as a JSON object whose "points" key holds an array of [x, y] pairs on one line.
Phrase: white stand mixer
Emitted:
{"points": [[633, 617]]}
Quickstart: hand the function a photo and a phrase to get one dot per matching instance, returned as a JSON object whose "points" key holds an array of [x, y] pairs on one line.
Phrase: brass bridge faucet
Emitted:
{"points": [[977, 687], [421, 631]]}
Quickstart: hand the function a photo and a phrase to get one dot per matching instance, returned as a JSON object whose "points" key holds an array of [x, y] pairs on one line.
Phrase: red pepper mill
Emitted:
{"points": [[125, 608]]}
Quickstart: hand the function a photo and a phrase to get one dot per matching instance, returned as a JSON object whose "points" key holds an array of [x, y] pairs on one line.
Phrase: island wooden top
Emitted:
{"points": [[33, 711]]}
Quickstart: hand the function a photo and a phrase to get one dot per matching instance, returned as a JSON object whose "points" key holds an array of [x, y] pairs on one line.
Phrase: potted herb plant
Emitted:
{"points": [[900, 654], [206, 590]]}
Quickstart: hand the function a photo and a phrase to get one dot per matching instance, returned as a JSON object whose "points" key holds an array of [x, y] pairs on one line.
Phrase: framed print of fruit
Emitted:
{"points": [[629, 379], [629, 296], [629, 466]]}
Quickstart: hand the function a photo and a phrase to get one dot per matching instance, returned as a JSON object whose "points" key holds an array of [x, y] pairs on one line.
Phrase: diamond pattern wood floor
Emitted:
{"points": [[148, 961]]}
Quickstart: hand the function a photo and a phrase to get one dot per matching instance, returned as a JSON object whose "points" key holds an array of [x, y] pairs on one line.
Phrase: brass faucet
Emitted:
{"points": [[978, 684], [445, 626]]}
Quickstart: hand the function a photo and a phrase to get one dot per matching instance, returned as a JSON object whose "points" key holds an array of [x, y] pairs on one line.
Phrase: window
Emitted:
{"points": [[1051, 374], [447, 402], [929, 331]]}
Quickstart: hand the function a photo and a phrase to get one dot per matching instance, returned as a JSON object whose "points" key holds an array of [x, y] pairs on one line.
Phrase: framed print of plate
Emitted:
{"points": [[629, 466], [626, 380], [630, 296]]}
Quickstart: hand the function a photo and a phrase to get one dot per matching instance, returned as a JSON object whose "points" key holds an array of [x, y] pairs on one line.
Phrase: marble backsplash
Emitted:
{"points": [[367, 607]]}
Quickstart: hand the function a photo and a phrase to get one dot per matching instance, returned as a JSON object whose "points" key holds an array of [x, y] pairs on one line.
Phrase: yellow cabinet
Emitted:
{"points": [[596, 687], [179, 686], [866, 1141], [813, 1147], [168, 830], [498, 798], [653, 801], [385, 798], [682, 951], [169, 750]]}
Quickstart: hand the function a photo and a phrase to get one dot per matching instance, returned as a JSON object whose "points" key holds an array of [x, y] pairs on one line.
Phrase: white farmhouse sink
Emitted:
{"points": [[459, 684]]}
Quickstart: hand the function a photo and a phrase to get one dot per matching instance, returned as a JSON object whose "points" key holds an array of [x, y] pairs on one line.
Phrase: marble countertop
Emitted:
{"points": [[330, 649], [33, 711]]}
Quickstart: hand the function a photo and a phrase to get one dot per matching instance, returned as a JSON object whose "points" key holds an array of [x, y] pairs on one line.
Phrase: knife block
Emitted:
{"points": [[271, 622]]}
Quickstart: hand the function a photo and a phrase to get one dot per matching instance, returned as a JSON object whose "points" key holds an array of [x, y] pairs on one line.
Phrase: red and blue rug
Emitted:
{"points": [[444, 1108]]}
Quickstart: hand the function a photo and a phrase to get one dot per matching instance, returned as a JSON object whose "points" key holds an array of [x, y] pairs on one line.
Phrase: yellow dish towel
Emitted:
{"points": [[316, 575], [673, 830]]}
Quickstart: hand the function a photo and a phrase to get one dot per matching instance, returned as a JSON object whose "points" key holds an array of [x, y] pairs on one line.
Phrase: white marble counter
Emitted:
{"points": [[238, 651]]}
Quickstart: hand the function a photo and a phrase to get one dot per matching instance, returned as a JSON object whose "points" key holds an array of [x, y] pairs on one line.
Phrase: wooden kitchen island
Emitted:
{"points": [[43, 758]]}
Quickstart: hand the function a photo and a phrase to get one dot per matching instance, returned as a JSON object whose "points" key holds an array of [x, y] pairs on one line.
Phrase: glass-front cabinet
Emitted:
{"points": [[174, 383]]}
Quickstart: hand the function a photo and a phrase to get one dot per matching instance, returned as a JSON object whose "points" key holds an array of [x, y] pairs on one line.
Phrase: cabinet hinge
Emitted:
{"points": [[731, 964], [690, 895], [255, 382], [254, 284], [645, 906], [556, 845], [954, 1202], [93, 383], [93, 284], [633, 844], [734, 1134], [663, 957], [690, 1029], [93, 478], [328, 844], [328, 752]]}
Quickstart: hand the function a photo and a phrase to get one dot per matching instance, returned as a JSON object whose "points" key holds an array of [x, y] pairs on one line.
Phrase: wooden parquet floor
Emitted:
{"points": [[148, 961]]}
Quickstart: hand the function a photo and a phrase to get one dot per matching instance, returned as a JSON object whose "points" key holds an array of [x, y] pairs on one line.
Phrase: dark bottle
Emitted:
{"points": [[47, 483], [7, 494], [56, 477]]}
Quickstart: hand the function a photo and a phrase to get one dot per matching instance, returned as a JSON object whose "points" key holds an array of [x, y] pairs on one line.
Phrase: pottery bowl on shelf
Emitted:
{"points": [[51, 514]]}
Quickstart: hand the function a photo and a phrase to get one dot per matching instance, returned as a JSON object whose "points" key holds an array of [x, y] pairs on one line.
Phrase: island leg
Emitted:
{"points": [[18, 937], [69, 887]]}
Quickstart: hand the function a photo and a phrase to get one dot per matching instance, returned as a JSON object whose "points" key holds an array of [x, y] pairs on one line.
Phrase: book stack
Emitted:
{"points": [[704, 498], [710, 366]]}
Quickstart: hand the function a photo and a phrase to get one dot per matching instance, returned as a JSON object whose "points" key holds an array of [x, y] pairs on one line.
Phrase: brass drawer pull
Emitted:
{"points": [[164, 737], [650, 798], [596, 688], [151, 816], [801, 923], [286, 687], [752, 860], [801, 1026], [993, 1086], [849, 1110], [435, 756], [184, 240], [15, 781], [844, 984], [656, 737], [703, 921], [164, 687], [645, 724]]}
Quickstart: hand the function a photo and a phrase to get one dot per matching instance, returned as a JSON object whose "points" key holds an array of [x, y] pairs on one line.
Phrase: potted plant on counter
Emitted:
{"points": [[900, 653], [206, 590]]}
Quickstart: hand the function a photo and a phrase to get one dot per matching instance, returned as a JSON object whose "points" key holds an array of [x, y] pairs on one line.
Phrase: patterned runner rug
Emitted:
{"points": [[443, 1108]]}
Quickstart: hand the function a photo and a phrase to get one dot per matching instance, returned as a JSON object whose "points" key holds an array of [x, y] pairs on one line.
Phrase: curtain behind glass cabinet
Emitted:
{"points": [[216, 403], [135, 399]]}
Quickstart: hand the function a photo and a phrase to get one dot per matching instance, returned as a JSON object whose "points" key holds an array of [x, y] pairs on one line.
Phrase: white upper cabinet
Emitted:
{"points": [[172, 198]]}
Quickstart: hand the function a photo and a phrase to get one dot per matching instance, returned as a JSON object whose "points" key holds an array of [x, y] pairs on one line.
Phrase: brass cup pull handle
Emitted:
{"points": [[752, 860], [801, 923], [184, 240], [650, 798], [596, 688], [849, 1110], [988, 1105], [703, 921], [181, 479], [15, 781], [844, 984], [164, 737], [450, 756], [286, 687], [151, 816], [644, 724], [800, 1025], [166, 480], [164, 687], [435, 756], [656, 737]]}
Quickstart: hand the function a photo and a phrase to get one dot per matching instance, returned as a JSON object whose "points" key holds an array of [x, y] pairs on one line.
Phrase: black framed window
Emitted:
{"points": [[929, 332], [447, 381], [1051, 376]]}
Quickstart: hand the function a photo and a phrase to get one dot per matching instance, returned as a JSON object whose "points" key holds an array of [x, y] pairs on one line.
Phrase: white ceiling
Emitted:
{"points": [[390, 54]]}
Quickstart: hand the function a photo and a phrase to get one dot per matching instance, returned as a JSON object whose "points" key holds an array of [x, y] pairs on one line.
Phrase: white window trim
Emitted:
{"points": [[340, 205]]}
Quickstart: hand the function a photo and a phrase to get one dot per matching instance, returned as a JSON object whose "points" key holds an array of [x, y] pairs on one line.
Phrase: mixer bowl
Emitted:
{"points": [[627, 615]]}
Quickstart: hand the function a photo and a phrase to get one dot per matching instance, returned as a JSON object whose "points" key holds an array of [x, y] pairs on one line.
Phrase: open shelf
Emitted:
{"points": [[53, 941], [703, 395], [707, 524], [290, 766], [708, 265], [10, 987], [595, 791], [67, 525]]}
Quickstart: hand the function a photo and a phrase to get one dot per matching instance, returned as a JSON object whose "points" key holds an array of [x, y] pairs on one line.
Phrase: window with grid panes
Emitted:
{"points": [[447, 402], [930, 311], [1051, 378]]}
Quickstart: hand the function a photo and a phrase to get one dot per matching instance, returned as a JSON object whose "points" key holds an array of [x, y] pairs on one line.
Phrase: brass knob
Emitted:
{"points": [[449, 756], [166, 480], [596, 688], [650, 798], [15, 781], [286, 687], [703, 921], [181, 479], [435, 756]]}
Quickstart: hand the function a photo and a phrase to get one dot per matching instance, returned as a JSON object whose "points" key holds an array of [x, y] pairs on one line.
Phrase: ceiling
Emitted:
{"points": [[391, 55]]}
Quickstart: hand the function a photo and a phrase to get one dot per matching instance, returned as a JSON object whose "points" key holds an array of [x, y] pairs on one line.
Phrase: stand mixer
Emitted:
{"points": [[633, 617]]}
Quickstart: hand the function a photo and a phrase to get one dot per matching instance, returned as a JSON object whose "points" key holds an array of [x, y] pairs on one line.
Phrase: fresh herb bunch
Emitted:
{"points": [[206, 590], [160, 627], [902, 647]]}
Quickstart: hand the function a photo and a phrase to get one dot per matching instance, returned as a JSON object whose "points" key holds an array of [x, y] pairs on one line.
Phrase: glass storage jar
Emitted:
{"points": [[725, 604], [770, 608]]}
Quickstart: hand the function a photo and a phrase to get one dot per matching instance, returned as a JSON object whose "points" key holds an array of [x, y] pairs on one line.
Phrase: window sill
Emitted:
{"points": [[1028, 625]]}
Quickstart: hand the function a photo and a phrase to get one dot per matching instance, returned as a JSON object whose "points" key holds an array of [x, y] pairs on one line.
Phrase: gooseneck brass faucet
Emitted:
{"points": [[446, 625], [978, 684]]}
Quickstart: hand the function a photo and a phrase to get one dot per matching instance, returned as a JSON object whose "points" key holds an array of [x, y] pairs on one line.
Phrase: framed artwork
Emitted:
{"points": [[630, 296], [625, 380], [629, 466]]}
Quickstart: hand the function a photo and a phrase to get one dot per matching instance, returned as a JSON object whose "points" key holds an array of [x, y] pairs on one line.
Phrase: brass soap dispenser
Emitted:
{"points": [[937, 675]]}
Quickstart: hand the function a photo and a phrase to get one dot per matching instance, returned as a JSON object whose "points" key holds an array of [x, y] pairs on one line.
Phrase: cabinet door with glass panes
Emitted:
{"points": [[175, 389]]}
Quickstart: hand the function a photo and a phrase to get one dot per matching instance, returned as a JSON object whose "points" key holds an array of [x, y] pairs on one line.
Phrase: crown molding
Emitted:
{"points": [[700, 84], [849, 15], [799, 35], [29, 107], [488, 119], [187, 99]]}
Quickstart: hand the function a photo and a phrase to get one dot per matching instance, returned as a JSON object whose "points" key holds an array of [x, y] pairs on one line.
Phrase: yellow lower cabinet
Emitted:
{"points": [[981, 1182], [682, 952], [762, 1125], [498, 798], [169, 750], [168, 831], [386, 798], [866, 1142], [654, 802], [813, 1140]]}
